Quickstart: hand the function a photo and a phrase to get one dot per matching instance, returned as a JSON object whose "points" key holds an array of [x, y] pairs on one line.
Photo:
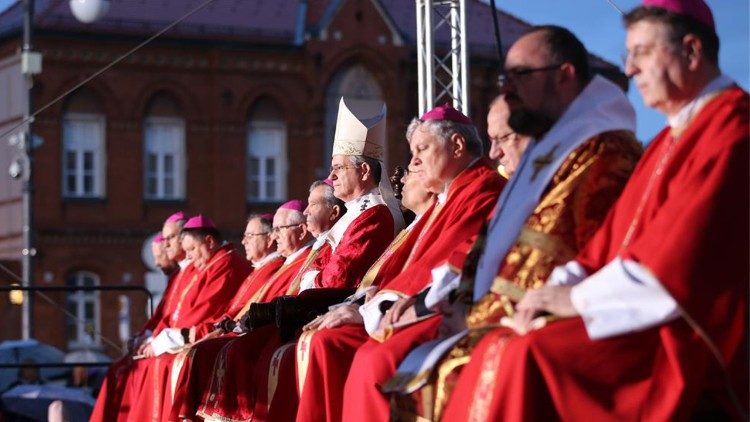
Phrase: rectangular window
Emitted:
{"points": [[266, 165], [83, 155], [165, 150]]}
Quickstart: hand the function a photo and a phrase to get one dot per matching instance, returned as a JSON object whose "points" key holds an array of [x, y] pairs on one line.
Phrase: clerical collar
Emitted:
{"points": [[297, 253], [354, 202], [184, 263], [686, 113], [320, 240], [443, 196], [414, 223], [265, 260]]}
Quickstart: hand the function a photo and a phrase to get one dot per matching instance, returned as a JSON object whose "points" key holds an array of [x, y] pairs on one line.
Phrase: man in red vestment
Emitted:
{"points": [[260, 250], [372, 213], [342, 328], [114, 399], [653, 311], [448, 162], [227, 390], [323, 210], [219, 272], [573, 116]]}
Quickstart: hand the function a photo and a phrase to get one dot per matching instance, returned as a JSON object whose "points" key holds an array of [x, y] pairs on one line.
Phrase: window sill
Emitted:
{"points": [[165, 202], [84, 199]]}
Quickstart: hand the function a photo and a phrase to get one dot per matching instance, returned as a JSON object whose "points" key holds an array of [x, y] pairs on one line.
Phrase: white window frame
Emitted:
{"points": [[278, 129], [152, 144], [80, 298], [80, 145]]}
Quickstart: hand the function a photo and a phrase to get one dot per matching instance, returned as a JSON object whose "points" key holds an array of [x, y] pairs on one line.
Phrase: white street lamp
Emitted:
{"points": [[87, 11]]}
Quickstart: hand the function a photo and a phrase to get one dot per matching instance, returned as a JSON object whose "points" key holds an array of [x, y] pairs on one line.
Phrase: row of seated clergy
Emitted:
{"points": [[570, 175], [196, 292], [219, 381], [633, 329]]}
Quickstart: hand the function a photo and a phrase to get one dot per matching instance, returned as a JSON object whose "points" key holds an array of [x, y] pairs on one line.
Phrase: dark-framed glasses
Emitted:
{"points": [[514, 73], [279, 228]]}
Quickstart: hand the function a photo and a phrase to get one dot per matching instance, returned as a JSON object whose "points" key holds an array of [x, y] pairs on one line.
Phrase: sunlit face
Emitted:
{"points": [[347, 178], [198, 251], [288, 236], [657, 66], [506, 146], [415, 197], [257, 242], [320, 217], [172, 244], [430, 159]]}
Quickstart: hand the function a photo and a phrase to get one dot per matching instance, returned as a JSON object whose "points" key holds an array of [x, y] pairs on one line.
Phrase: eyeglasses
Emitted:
{"points": [[338, 167], [503, 138], [513, 74], [640, 51], [278, 228], [247, 235]]}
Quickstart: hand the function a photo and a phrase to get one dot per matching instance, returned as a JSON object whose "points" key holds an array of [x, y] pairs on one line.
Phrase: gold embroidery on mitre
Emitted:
{"points": [[359, 136]]}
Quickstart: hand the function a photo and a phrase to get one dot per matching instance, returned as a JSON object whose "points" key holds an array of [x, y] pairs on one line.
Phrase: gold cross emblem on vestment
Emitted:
{"points": [[543, 161]]}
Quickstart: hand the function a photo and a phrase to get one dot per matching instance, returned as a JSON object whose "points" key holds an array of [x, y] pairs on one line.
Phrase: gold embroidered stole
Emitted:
{"points": [[375, 268], [262, 291], [216, 258], [433, 216], [305, 266]]}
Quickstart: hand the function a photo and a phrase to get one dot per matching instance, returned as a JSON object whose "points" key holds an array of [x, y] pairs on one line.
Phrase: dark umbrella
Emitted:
{"points": [[19, 351], [32, 401]]}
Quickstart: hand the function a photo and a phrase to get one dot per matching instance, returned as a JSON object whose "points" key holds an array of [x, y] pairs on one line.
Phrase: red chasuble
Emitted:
{"points": [[204, 382], [327, 354], [361, 244], [692, 234], [124, 379], [205, 297], [250, 287]]}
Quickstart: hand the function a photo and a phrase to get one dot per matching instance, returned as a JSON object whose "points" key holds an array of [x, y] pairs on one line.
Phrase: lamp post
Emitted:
{"points": [[86, 11], [31, 64]]}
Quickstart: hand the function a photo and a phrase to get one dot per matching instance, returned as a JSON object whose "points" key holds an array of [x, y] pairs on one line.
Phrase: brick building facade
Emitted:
{"points": [[225, 115]]}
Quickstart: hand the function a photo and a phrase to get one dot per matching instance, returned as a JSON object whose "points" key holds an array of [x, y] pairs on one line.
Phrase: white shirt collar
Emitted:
{"points": [[686, 113], [184, 263], [297, 253], [265, 260]]}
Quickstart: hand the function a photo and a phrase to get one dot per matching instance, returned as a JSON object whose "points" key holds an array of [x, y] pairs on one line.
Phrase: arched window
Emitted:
{"points": [[266, 154], [84, 326], [83, 152], [164, 150], [363, 97]]}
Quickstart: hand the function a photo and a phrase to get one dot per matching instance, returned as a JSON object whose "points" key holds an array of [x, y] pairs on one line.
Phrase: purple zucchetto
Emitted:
{"points": [[200, 221], [294, 204], [179, 215], [446, 112], [695, 9]]}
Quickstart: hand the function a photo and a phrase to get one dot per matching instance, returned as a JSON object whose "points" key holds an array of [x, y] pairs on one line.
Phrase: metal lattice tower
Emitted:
{"points": [[442, 76]]}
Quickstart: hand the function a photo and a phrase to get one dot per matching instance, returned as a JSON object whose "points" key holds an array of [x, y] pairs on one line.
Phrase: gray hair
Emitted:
{"points": [[444, 129], [373, 163], [295, 217], [265, 224], [329, 198]]}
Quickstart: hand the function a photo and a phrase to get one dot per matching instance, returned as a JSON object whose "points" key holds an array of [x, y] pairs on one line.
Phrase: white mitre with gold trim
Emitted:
{"points": [[359, 136]]}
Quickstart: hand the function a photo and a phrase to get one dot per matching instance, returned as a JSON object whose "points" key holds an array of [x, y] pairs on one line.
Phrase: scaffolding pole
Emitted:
{"points": [[442, 57]]}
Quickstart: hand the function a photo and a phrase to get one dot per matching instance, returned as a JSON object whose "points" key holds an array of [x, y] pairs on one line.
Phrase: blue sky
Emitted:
{"points": [[598, 25]]}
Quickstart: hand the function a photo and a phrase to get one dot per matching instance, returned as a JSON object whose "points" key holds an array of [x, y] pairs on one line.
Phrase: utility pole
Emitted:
{"points": [[31, 64], [442, 77]]}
